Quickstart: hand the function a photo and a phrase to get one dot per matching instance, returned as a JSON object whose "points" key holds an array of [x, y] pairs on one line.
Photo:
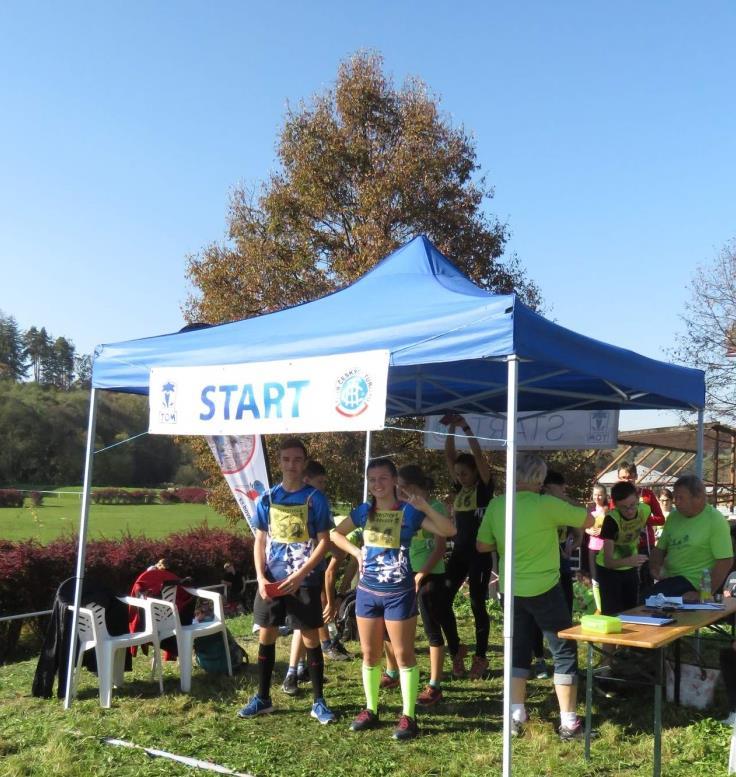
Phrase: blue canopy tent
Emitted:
{"points": [[453, 346]]}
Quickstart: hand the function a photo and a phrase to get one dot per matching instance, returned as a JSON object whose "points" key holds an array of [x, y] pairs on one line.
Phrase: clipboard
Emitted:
{"points": [[647, 620]]}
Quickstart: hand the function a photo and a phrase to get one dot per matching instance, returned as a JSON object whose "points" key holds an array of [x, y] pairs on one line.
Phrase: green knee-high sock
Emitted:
{"points": [[409, 677], [371, 683]]}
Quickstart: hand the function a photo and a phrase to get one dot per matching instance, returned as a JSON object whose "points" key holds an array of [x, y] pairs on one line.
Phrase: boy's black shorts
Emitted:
{"points": [[304, 609]]}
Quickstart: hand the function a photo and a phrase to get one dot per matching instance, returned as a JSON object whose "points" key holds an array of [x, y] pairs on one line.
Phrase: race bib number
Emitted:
{"points": [[289, 523], [466, 499], [383, 529]]}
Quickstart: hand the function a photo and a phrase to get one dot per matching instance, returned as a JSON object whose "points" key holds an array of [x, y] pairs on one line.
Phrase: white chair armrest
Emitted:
{"points": [[133, 601], [213, 596]]}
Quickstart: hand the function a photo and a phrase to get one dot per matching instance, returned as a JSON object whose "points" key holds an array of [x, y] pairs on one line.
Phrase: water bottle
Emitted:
{"points": [[705, 586]]}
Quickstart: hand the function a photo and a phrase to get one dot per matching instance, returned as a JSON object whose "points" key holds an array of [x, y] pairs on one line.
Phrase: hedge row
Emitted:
{"points": [[121, 496], [30, 573], [10, 497]]}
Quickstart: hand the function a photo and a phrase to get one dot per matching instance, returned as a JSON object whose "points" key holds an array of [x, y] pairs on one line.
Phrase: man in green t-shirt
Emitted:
{"points": [[538, 597], [695, 538]]}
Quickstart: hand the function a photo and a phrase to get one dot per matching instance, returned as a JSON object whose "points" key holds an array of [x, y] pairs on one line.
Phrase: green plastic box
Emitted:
{"points": [[601, 624]]}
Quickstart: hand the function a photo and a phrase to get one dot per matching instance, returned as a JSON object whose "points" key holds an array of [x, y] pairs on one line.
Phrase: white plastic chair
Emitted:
{"points": [[110, 650], [167, 623]]}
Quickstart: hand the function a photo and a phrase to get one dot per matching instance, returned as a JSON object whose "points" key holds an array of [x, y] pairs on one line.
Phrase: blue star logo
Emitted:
{"points": [[168, 389]]}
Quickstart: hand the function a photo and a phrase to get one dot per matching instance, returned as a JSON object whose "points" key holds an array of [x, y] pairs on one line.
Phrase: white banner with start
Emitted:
{"points": [[568, 429], [344, 392]]}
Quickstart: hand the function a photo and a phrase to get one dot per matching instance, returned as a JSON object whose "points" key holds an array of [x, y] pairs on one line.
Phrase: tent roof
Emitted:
{"points": [[681, 438], [448, 341]]}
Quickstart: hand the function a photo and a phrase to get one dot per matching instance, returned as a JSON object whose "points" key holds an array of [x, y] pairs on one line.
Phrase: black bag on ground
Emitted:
{"points": [[346, 622]]}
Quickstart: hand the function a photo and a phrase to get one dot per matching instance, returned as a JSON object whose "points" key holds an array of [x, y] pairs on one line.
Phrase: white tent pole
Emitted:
{"points": [[365, 468], [82, 544], [508, 566], [701, 444]]}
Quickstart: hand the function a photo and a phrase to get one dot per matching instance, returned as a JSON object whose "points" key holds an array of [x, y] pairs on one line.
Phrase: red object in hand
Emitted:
{"points": [[273, 591]]}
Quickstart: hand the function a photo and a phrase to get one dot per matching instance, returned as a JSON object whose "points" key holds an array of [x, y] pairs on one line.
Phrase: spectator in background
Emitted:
{"points": [[234, 583], [473, 485], [695, 538], [666, 501], [597, 510], [628, 472]]}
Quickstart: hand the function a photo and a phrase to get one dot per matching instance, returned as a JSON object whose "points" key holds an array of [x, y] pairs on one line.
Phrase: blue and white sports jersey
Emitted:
{"points": [[292, 520], [387, 536]]}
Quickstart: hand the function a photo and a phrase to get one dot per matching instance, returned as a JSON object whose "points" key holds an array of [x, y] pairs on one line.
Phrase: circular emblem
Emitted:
{"points": [[233, 453], [353, 393]]}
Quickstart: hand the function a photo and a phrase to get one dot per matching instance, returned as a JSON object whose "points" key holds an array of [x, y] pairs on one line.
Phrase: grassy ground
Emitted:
{"points": [[59, 515], [460, 737]]}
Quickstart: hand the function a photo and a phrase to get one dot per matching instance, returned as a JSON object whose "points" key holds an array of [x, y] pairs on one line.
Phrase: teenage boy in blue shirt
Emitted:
{"points": [[292, 536]]}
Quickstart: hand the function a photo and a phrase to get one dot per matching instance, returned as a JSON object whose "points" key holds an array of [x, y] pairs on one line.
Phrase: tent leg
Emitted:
{"points": [[701, 444], [83, 519], [508, 567], [365, 469]]}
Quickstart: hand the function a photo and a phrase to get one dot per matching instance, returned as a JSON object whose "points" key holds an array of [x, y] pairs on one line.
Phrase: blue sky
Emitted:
{"points": [[607, 130]]}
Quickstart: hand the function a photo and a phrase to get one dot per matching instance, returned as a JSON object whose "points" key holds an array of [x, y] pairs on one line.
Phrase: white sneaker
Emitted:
{"points": [[730, 720]]}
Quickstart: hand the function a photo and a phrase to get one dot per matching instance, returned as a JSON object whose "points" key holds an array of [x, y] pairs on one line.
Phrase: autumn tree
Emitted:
{"points": [[363, 168], [709, 338]]}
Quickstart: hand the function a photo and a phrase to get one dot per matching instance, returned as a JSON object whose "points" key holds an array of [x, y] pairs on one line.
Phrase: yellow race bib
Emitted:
{"points": [[383, 529], [466, 499], [289, 523]]}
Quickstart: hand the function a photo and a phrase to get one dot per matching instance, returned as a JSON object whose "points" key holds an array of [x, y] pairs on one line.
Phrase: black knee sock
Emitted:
{"points": [[316, 666], [266, 660]]}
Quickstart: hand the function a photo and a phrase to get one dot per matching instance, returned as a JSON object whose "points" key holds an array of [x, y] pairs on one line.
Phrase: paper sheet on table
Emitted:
{"points": [[660, 600]]}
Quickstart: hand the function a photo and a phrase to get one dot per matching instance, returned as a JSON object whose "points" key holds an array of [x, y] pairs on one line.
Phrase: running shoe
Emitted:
{"points": [[341, 649], [256, 706], [302, 675], [389, 682], [577, 731], [333, 654], [517, 728], [478, 668], [291, 684], [406, 729], [322, 713], [458, 662], [364, 720], [541, 671], [429, 696]]}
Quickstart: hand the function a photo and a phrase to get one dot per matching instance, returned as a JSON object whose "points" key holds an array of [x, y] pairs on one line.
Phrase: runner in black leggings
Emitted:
{"points": [[474, 490]]}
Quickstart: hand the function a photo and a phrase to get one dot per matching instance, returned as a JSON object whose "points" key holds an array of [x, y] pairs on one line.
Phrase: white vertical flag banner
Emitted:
{"points": [[243, 464], [568, 429], [340, 393]]}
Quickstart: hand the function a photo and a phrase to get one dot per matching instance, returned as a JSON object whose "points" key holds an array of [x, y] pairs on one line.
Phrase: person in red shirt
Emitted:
{"points": [[628, 472]]}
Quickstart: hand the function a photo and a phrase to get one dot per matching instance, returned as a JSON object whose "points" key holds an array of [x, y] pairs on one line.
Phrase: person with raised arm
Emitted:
{"points": [[473, 485]]}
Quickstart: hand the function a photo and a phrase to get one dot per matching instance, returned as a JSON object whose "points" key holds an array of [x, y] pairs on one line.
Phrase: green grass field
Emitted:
{"points": [[459, 737], [59, 515]]}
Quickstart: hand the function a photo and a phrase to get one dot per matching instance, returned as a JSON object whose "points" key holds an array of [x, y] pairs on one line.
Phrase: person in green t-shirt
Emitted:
{"points": [[695, 538], [538, 597], [426, 556]]}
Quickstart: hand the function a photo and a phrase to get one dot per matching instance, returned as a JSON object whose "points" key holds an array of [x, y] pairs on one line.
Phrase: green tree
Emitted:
{"points": [[12, 361], [364, 167], [58, 366], [37, 345]]}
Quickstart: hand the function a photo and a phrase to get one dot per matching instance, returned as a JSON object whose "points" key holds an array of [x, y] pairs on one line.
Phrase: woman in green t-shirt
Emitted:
{"points": [[426, 556]]}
